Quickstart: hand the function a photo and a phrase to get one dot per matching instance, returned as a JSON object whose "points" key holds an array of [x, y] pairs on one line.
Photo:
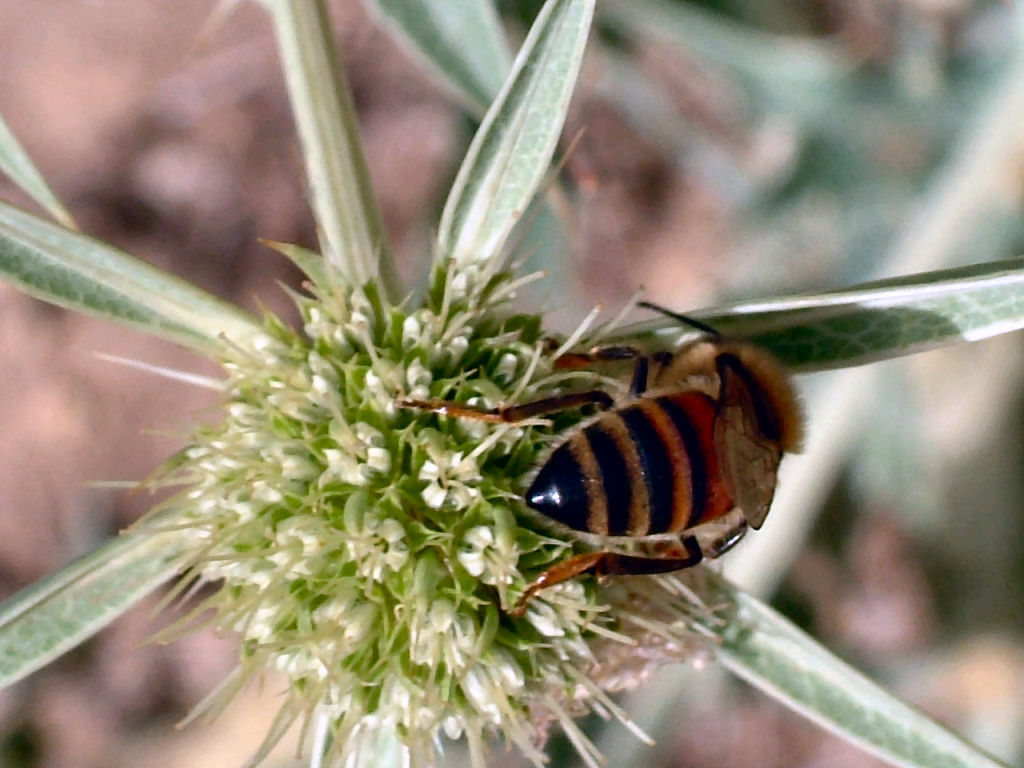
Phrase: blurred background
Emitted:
{"points": [[715, 152]]}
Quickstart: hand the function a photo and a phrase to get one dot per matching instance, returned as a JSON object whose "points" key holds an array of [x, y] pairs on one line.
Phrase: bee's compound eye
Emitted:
{"points": [[558, 491]]}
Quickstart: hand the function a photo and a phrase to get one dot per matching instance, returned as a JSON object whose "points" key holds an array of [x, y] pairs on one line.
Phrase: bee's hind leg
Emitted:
{"points": [[684, 553], [561, 571], [722, 537]]}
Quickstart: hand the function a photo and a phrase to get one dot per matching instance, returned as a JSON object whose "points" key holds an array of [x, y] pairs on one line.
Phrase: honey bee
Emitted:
{"points": [[670, 475]]}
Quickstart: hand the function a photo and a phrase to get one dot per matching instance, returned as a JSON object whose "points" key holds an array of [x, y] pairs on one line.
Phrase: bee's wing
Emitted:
{"points": [[749, 461]]}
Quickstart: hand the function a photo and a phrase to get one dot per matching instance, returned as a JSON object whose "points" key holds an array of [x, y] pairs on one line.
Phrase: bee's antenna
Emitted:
{"points": [[680, 317]]}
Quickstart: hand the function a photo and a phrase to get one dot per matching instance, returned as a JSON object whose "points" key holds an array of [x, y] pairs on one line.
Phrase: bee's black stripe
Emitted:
{"points": [[657, 468], [698, 461], [639, 512], [614, 477], [680, 497]]}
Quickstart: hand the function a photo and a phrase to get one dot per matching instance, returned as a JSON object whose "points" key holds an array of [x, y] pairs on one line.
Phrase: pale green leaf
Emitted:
{"points": [[18, 166], [352, 235], [511, 152], [462, 40], [769, 652], [77, 272], [871, 321], [54, 615]]}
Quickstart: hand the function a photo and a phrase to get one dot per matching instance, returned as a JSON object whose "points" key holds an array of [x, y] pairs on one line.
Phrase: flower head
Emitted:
{"points": [[371, 551]]}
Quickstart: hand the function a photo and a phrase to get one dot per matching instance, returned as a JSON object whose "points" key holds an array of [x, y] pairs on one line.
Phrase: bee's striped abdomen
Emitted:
{"points": [[693, 417], [645, 469]]}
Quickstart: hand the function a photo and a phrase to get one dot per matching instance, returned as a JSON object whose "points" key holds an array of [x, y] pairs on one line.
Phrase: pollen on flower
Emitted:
{"points": [[372, 551]]}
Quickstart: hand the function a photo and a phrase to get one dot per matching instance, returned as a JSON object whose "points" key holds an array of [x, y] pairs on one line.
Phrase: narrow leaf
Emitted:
{"points": [[15, 162], [352, 235], [509, 155], [872, 321], [51, 617], [769, 652], [461, 40], [75, 271]]}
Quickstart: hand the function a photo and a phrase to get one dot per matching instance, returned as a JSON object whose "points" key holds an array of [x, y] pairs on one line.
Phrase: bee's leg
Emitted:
{"points": [[597, 397], [514, 413], [726, 539], [609, 353], [567, 569], [638, 384], [608, 563], [668, 559]]}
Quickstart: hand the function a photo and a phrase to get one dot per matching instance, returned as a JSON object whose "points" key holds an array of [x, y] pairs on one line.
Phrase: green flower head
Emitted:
{"points": [[371, 551]]}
